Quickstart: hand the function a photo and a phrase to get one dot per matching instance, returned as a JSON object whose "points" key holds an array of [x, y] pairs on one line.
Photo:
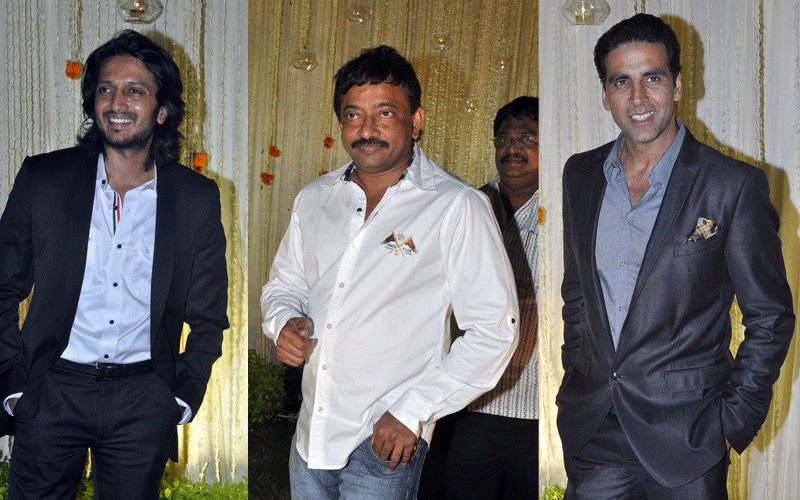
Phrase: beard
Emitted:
{"points": [[138, 141]]}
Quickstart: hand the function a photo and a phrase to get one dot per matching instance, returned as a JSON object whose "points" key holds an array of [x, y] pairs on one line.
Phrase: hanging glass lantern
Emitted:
{"points": [[583, 12], [139, 11], [304, 60]]}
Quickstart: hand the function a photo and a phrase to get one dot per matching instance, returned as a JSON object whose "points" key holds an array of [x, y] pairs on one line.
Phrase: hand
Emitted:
{"points": [[392, 441], [727, 445], [293, 341], [12, 403]]}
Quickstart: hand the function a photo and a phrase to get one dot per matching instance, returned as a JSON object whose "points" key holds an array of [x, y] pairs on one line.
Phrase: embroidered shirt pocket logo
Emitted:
{"points": [[400, 245]]}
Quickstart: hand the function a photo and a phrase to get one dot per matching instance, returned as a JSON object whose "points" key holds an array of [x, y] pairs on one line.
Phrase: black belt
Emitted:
{"points": [[106, 371]]}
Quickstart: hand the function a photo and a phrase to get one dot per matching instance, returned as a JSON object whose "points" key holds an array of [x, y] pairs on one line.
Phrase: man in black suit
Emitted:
{"points": [[660, 232], [122, 245]]}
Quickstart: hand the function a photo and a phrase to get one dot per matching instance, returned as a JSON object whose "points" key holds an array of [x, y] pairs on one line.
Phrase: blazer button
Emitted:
{"points": [[615, 376]]}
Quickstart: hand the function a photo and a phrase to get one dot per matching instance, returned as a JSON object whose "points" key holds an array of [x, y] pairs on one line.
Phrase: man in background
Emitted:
{"points": [[660, 232], [376, 255], [495, 445], [121, 245]]}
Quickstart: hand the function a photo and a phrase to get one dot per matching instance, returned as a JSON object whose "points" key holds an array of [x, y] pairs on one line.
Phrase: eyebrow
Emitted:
{"points": [[378, 105], [127, 82], [624, 76]]}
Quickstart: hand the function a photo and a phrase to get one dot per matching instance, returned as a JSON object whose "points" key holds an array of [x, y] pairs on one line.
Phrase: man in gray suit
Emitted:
{"points": [[660, 232]]}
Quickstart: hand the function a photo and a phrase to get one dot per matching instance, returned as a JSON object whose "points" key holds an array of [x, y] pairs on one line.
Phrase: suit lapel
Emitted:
{"points": [[78, 224], [593, 194], [681, 180], [164, 252]]}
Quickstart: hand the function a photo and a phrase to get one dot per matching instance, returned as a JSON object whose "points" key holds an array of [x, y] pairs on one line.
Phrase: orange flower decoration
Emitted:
{"points": [[541, 215], [274, 152], [322, 172], [199, 161], [328, 142], [73, 69], [267, 178]]}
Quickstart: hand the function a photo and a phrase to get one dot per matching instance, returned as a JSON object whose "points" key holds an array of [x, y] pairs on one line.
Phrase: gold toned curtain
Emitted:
{"points": [[471, 57], [40, 111], [740, 95]]}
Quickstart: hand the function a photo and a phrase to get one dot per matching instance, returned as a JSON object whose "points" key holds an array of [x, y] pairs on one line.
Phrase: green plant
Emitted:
{"points": [[265, 388], [554, 492], [182, 488]]}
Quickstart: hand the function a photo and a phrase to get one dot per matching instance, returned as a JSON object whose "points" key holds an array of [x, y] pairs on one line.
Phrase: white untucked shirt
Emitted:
{"points": [[379, 293]]}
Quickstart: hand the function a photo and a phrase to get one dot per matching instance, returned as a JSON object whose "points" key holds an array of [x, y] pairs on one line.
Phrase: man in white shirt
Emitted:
{"points": [[376, 256], [123, 245], [495, 445]]}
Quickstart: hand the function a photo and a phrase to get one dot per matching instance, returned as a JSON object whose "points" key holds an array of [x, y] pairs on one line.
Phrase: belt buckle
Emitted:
{"points": [[106, 372]]}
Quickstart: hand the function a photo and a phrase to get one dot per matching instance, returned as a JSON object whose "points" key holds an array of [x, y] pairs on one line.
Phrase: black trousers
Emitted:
{"points": [[128, 423], [493, 457], [607, 468]]}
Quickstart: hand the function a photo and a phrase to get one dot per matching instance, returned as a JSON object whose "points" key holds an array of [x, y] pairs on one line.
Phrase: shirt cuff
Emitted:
{"points": [[187, 412], [7, 403]]}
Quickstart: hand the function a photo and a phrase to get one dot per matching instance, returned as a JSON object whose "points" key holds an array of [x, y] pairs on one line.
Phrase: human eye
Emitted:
{"points": [[386, 113], [528, 141], [502, 141], [103, 90], [620, 82]]}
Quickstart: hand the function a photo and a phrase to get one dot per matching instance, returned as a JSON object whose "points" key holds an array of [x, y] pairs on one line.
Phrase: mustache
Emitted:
{"points": [[514, 156], [369, 142]]}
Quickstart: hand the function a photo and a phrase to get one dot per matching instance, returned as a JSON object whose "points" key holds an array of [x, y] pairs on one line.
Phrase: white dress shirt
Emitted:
{"points": [[112, 322], [379, 293]]}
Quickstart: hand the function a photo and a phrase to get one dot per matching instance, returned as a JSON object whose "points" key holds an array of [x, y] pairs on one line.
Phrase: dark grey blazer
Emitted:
{"points": [[676, 388]]}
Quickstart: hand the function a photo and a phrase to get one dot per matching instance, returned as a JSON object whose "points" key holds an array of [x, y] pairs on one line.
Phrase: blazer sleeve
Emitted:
{"points": [[16, 279], [755, 262], [206, 310]]}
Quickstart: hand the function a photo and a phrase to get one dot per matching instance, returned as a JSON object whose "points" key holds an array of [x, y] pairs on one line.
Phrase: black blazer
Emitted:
{"points": [[677, 390], [44, 232]]}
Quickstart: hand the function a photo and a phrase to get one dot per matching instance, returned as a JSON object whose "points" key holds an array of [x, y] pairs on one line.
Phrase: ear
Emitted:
{"points": [[678, 88], [162, 115], [605, 99], [416, 122]]}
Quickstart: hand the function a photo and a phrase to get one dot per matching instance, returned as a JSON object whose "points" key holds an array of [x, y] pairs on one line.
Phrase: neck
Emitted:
{"points": [[127, 170], [639, 159], [517, 196]]}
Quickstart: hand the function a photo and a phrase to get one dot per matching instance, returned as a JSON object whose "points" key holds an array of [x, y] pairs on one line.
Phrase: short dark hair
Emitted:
{"points": [[375, 66], [165, 147], [523, 107], [639, 28]]}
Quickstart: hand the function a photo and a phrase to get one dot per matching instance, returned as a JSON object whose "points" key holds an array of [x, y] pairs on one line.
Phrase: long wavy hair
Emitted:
{"points": [[165, 147]]}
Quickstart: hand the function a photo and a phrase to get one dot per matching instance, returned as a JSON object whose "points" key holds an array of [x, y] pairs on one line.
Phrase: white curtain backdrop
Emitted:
{"points": [[40, 110], [741, 61]]}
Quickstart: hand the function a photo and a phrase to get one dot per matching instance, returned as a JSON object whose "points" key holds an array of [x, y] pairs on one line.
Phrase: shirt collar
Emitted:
{"points": [[420, 171], [531, 204], [659, 175], [102, 175]]}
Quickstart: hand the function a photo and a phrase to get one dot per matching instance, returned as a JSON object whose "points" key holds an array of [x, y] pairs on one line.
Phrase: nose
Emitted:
{"points": [[117, 101], [639, 92], [367, 128], [515, 145]]}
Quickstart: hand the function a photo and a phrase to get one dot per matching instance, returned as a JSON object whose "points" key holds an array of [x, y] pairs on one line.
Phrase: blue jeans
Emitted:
{"points": [[365, 477]]}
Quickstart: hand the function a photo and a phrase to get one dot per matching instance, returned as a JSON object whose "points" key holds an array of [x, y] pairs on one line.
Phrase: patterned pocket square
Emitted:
{"points": [[703, 230]]}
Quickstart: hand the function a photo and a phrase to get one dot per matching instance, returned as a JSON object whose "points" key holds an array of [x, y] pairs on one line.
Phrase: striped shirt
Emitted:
{"points": [[517, 393]]}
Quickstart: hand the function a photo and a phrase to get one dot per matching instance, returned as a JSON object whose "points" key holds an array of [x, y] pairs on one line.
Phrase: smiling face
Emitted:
{"points": [[641, 94], [378, 127], [518, 163], [126, 109]]}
